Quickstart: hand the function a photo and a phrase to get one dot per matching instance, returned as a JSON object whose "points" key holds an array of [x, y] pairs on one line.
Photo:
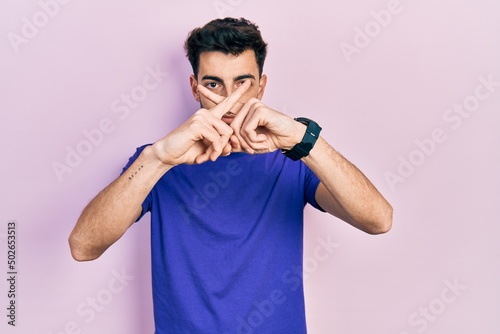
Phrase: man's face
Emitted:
{"points": [[222, 74]]}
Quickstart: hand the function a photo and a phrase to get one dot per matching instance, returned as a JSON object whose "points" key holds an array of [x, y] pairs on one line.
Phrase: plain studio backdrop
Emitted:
{"points": [[409, 91]]}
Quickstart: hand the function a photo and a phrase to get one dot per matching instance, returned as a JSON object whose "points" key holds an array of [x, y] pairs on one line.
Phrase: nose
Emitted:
{"points": [[228, 90]]}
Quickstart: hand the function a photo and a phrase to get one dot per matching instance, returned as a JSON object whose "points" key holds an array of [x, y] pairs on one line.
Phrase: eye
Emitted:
{"points": [[212, 85]]}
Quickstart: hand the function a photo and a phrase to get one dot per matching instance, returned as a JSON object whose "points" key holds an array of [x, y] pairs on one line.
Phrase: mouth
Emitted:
{"points": [[228, 117]]}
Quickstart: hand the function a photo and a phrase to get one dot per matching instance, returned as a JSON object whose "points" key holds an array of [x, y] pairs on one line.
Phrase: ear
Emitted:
{"points": [[194, 87], [262, 86]]}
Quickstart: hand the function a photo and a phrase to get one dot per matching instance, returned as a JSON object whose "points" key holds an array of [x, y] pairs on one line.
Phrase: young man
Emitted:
{"points": [[226, 191]]}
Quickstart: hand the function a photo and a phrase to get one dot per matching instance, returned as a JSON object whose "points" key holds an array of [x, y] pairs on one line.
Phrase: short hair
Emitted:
{"points": [[229, 36]]}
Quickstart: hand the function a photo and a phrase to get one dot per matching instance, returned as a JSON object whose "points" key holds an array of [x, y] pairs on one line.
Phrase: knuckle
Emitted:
{"points": [[195, 124], [244, 130], [200, 112], [197, 118], [235, 129], [259, 107], [227, 132]]}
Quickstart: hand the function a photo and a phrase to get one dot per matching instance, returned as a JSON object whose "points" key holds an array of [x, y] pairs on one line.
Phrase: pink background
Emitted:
{"points": [[374, 105]]}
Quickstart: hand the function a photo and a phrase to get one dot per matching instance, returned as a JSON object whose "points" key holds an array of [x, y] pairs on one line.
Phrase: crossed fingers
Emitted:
{"points": [[220, 138], [225, 104], [241, 138]]}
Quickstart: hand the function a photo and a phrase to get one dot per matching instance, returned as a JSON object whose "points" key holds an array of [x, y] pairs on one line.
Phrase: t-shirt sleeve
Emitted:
{"points": [[311, 185], [146, 205]]}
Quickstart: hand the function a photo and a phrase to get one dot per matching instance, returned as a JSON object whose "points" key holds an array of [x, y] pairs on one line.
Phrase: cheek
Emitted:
{"points": [[206, 103], [250, 93]]}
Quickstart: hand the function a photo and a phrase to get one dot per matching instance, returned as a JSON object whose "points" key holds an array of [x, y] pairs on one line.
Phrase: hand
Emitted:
{"points": [[202, 137], [258, 128]]}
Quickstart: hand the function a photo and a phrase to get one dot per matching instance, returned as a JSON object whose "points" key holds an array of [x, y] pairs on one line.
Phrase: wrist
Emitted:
{"points": [[317, 152], [152, 154], [306, 144], [298, 134]]}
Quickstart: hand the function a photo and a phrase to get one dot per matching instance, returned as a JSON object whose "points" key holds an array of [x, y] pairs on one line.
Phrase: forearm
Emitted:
{"points": [[107, 217], [349, 195]]}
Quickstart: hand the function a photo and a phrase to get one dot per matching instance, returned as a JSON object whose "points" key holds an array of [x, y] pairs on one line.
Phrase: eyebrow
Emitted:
{"points": [[244, 76], [219, 80]]}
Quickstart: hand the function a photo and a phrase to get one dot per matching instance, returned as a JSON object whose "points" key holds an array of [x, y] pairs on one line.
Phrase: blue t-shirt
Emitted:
{"points": [[226, 243]]}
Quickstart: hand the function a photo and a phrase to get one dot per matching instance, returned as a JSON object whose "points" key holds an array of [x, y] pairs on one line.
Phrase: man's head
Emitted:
{"points": [[224, 53], [229, 36]]}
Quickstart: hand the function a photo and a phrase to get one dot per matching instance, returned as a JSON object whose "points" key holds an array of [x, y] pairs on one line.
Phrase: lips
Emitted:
{"points": [[228, 117]]}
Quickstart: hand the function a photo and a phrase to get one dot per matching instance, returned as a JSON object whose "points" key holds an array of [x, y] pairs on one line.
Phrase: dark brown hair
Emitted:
{"points": [[230, 36]]}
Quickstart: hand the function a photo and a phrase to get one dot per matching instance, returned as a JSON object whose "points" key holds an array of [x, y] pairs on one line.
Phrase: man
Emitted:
{"points": [[226, 191]]}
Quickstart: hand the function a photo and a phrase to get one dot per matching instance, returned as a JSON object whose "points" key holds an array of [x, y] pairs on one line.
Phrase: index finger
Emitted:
{"points": [[214, 97], [229, 102]]}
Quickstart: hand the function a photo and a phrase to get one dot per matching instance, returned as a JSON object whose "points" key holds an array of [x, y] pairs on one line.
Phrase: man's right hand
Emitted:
{"points": [[202, 137]]}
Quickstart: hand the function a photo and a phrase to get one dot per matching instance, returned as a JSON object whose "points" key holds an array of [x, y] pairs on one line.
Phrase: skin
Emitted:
{"points": [[232, 118]]}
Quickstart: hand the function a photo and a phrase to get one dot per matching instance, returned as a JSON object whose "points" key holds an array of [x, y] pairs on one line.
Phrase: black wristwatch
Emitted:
{"points": [[303, 148]]}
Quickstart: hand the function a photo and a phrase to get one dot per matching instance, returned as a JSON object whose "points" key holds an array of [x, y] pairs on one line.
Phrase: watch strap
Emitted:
{"points": [[303, 148]]}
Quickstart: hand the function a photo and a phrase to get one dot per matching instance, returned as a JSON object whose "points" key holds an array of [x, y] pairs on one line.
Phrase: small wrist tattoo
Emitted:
{"points": [[138, 170]]}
